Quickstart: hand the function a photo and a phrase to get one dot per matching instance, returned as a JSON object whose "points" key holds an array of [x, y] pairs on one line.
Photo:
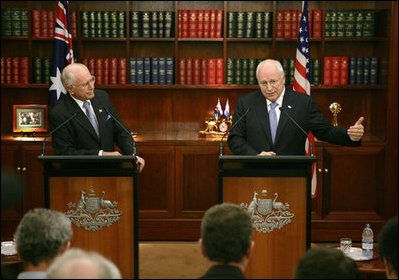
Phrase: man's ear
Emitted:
{"points": [[202, 248], [64, 248]]}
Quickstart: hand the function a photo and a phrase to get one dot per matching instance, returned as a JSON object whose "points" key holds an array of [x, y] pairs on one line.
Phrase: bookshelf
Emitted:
{"points": [[168, 117]]}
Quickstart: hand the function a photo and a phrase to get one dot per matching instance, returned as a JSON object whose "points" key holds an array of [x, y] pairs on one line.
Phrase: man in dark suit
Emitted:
{"points": [[93, 130], [226, 241], [254, 135]]}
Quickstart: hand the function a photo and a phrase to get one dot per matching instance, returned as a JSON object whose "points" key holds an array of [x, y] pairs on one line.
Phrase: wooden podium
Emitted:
{"points": [[276, 190], [99, 195]]}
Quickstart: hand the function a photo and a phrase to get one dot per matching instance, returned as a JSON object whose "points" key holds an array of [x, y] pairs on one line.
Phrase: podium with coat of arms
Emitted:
{"points": [[276, 192], [99, 196]]}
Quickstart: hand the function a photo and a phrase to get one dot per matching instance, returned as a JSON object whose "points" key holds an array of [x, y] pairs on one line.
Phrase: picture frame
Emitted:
{"points": [[30, 118]]}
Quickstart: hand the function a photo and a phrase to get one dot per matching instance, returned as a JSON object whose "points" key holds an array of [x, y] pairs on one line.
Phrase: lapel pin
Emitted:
{"points": [[100, 110], [289, 106]]}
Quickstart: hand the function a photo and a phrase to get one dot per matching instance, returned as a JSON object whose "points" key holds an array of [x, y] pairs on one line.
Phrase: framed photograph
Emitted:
{"points": [[30, 118]]}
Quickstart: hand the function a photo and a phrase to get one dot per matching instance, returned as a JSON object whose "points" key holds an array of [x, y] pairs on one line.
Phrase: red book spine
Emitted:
{"points": [[91, 65], [122, 71], [219, 71], [99, 70], [50, 23], [327, 70], [3, 65], [317, 18], [7, 72], [212, 24], [204, 71], [24, 70], [344, 70], [106, 71], [280, 24], [295, 26], [15, 70], [35, 23], [189, 71], [182, 71], [43, 24], [184, 24], [335, 70], [287, 23], [200, 25], [85, 61], [211, 71], [207, 19], [192, 23], [196, 71], [219, 23], [113, 70], [310, 14], [73, 24]]}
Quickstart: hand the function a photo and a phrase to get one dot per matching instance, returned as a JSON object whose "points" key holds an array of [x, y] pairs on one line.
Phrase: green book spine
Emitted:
{"points": [[169, 30], [135, 24], [350, 24], [113, 24], [24, 23], [6, 22], [244, 71], [106, 24], [252, 71], [284, 62], [154, 24], [327, 24], [240, 24], [92, 24], [37, 70], [99, 24], [121, 24], [333, 24], [46, 63], [268, 24], [316, 64], [250, 23], [291, 62], [84, 16], [231, 24], [341, 15], [146, 25], [359, 18], [369, 23], [16, 22], [229, 71], [237, 71], [161, 24]]}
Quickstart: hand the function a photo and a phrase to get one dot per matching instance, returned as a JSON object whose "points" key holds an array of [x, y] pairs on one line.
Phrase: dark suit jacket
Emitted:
{"points": [[223, 272], [78, 136], [252, 135]]}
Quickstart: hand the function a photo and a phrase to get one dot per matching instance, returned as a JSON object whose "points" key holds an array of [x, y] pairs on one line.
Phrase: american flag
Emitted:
{"points": [[302, 75], [63, 52]]}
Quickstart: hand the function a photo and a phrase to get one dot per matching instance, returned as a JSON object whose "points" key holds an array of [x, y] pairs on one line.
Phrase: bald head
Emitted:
{"points": [[271, 79], [70, 72], [270, 64]]}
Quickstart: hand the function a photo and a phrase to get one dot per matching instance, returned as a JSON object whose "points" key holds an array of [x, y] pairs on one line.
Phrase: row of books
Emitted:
{"points": [[249, 24], [200, 71], [41, 69], [107, 70], [351, 70], [103, 24], [43, 23], [14, 22], [287, 23], [14, 70], [349, 23], [200, 23], [157, 24], [151, 70]]}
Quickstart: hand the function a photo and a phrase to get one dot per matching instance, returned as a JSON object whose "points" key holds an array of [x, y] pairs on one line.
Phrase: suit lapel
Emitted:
{"points": [[287, 100]]}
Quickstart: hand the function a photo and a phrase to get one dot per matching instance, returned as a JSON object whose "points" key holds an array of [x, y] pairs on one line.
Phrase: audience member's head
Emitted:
{"points": [[326, 263], [388, 246], [41, 235], [226, 235], [79, 264]]}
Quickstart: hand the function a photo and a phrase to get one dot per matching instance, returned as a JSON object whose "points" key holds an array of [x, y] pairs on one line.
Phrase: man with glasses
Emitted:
{"points": [[95, 127], [267, 130]]}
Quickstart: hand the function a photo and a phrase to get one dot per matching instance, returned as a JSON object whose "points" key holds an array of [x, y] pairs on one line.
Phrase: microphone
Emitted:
{"points": [[124, 128], [234, 124], [303, 131], [55, 129]]}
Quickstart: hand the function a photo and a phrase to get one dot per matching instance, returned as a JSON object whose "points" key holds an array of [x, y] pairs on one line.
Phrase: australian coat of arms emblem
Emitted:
{"points": [[267, 214], [92, 212]]}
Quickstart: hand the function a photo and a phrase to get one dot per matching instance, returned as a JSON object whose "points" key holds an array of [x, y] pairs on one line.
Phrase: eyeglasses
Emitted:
{"points": [[92, 80], [271, 83]]}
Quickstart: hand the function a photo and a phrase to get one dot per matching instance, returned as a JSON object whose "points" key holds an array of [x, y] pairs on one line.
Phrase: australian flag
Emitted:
{"points": [[63, 52]]}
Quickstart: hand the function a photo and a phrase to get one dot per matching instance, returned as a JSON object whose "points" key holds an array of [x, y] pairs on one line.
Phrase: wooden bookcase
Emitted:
{"points": [[356, 185]]}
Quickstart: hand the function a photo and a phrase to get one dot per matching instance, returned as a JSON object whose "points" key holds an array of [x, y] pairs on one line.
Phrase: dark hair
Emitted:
{"points": [[226, 232], [326, 263], [388, 242]]}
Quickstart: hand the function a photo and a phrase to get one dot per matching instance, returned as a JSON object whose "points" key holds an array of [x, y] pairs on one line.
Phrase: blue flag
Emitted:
{"points": [[63, 52]]}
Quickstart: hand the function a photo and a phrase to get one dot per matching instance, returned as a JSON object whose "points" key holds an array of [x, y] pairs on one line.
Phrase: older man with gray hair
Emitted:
{"points": [[42, 235]]}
